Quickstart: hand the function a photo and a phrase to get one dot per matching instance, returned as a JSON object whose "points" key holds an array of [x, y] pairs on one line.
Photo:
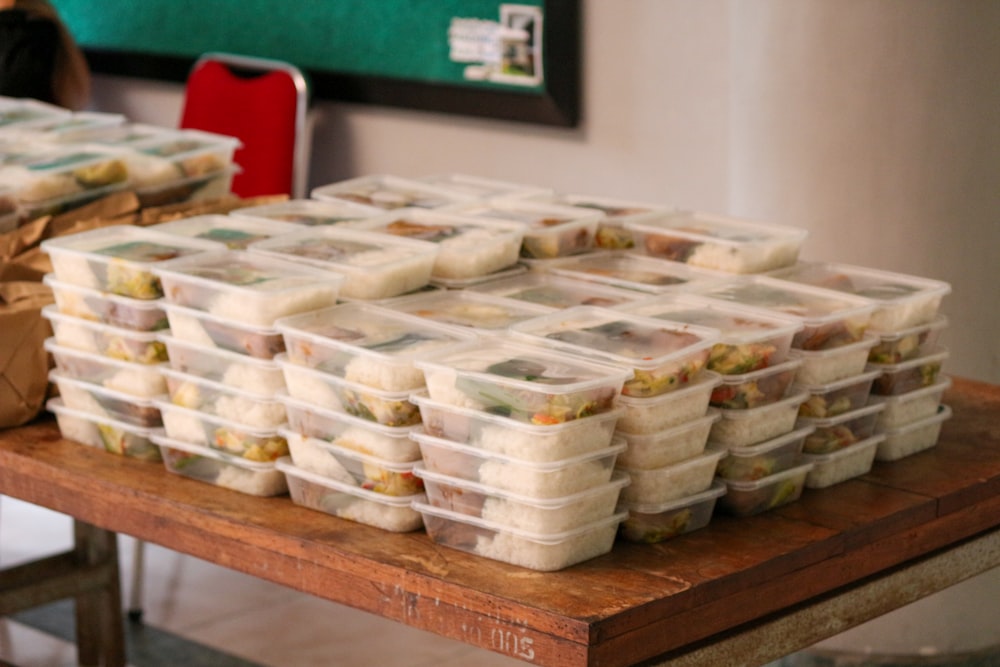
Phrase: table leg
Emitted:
{"points": [[99, 625]]}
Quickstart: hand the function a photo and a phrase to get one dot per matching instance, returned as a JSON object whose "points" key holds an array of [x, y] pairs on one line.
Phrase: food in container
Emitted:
{"points": [[141, 347], [310, 212], [374, 266], [901, 300], [235, 233], [180, 154], [541, 551], [517, 439], [189, 189], [235, 438], [16, 112], [746, 498], [349, 466], [10, 210], [204, 329], [906, 344], [236, 405], [842, 464], [650, 523], [546, 515], [557, 291], [630, 270], [611, 231], [829, 319], [909, 407], [670, 445], [261, 376], [913, 437], [468, 247], [350, 502], [75, 128], [481, 313], [650, 414], [749, 426], [120, 258], [368, 344], [248, 287], [524, 382], [835, 363], [128, 377], [836, 398], [107, 403], [756, 388], [102, 432], [389, 192], [765, 458], [833, 433], [673, 481], [922, 371], [478, 187], [663, 356], [474, 281], [538, 479], [207, 465], [734, 245], [390, 408], [118, 311]]}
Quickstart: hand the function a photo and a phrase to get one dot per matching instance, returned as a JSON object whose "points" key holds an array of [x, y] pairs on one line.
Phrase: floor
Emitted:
{"points": [[202, 615]]}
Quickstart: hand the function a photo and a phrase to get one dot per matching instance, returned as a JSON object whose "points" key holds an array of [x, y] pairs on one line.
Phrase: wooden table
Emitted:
{"points": [[740, 591]]}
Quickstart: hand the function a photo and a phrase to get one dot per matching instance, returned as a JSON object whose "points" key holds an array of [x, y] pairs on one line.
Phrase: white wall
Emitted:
{"points": [[874, 124]]}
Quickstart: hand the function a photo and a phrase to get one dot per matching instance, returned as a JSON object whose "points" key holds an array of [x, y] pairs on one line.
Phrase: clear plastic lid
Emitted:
{"points": [[311, 212], [481, 312], [615, 211], [386, 191], [556, 291], [632, 271], [482, 188], [17, 111], [75, 127], [235, 233]]}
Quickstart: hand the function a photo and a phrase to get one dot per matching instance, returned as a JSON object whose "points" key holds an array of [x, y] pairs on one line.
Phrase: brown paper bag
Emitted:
{"points": [[24, 363]]}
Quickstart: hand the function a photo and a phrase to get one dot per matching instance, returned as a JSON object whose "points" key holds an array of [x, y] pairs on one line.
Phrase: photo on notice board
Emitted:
{"points": [[520, 45]]}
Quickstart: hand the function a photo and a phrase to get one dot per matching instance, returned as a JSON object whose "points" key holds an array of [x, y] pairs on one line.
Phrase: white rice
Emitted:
{"points": [[252, 482], [541, 483], [250, 376], [516, 550], [144, 381], [254, 413], [371, 372], [184, 427]]}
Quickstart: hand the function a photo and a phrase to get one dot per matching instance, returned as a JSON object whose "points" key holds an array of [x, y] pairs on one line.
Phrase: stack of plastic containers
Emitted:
{"points": [[350, 371], [904, 360], [518, 452], [222, 419], [106, 319]]}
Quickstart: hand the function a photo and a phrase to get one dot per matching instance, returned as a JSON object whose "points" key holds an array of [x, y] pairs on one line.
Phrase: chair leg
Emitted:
{"points": [[138, 574]]}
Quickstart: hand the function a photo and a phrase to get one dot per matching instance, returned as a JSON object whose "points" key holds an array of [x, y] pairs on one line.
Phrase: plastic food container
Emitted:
{"points": [[118, 311], [550, 479], [716, 242], [23, 111], [235, 233], [77, 127], [120, 258], [555, 291], [207, 465], [388, 192], [756, 388], [374, 266], [236, 405], [467, 247], [767, 458], [651, 414], [835, 363], [632, 271], [663, 355], [843, 464], [903, 301], [522, 440], [833, 433], [482, 188], [829, 319], [903, 409], [746, 498], [367, 344], [836, 398], [235, 439], [204, 329], [542, 515], [248, 287], [545, 552], [611, 231], [104, 433], [141, 347], [742, 428], [524, 382], [666, 447], [106, 403], [349, 466], [468, 283], [551, 230], [909, 343], [922, 371], [655, 522], [229, 368], [189, 189], [386, 442], [481, 313], [389, 408], [142, 380], [181, 154], [352, 503], [673, 481], [913, 437], [308, 212]]}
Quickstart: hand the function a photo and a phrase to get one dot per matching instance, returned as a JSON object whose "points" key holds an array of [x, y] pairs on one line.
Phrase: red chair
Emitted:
{"points": [[262, 103]]}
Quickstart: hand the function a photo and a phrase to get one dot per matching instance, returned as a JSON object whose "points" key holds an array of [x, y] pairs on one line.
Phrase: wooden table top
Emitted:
{"points": [[635, 603]]}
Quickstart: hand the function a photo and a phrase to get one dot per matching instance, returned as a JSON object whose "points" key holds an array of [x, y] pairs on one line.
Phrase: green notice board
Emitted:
{"points": [[480, 57]]}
